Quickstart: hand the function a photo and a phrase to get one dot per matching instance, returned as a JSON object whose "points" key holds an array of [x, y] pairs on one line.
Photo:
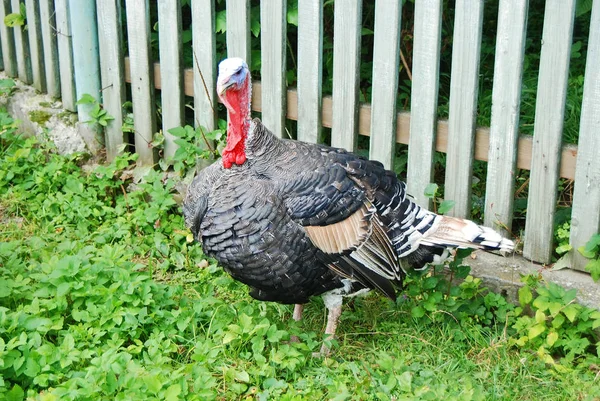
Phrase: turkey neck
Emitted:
{"points": [[238, 104]]}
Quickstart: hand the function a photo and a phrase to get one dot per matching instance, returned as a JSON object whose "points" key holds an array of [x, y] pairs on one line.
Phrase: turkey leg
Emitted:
{"points": [[333, 318], [298, 308], [297, 316]]}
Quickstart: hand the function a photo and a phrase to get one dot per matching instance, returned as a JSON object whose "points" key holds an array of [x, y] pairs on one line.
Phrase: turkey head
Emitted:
{"points": [[234, 90]]}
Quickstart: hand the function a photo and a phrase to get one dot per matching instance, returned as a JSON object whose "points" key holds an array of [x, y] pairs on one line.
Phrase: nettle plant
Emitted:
{"points": [[591, 250], [195, 143], [98, 115], [550, 320]]}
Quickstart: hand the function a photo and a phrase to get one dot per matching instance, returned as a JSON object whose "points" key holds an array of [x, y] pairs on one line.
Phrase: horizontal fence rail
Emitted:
{"points": [[44, 56]]}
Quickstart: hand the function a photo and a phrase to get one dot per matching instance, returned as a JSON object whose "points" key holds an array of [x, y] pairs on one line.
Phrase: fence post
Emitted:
{"points": [[112, 67], [585, 220], [171, 71], [35, 44], [346, 73], [86, 65], [468, 21], [547, 132], [65, 54], [50, 45], [424, 97], [22, 47], [8, 42]]}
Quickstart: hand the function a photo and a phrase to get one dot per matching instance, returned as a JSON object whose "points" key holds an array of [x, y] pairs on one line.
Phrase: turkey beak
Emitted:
{"points": [[223, 85]]}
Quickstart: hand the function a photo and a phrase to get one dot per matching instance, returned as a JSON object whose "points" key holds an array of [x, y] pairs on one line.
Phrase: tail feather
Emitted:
{"points": [[456, 232]]}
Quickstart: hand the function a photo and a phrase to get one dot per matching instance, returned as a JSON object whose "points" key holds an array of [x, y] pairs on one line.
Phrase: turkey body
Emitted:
{"points": [[293, 220], [269, 222]]}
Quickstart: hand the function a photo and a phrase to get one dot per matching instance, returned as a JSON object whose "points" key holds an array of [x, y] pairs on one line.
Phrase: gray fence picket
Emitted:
{"points": [[586, 195], [346, 73], [463, 104], [310, 69], [110, 35], [35, 44], [65, 54], [7, 37], [50, 61], [547, 133], [238, 29], [506, 99], [386, 60], [86, 60], [142, 87], [424, 95], [273, 21], [204, 63], [22, 48], [171, 70]]}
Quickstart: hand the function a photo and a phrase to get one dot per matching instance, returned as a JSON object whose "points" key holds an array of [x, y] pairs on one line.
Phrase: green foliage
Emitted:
{"points": [[98, 116], [556, 326], [562, 236], [441, 207], [591, 250], [19, 19], [104, 295], [194, 143], [7, 86]]}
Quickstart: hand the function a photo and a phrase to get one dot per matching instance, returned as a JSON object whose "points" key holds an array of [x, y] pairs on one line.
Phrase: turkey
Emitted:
{"points": [[293, 220]]}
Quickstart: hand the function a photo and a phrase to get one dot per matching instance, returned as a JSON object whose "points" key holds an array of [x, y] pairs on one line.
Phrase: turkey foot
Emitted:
{"points": [[333, 318]]}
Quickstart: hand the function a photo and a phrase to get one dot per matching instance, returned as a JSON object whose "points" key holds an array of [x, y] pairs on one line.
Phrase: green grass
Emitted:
{"points": [[103, 296]]}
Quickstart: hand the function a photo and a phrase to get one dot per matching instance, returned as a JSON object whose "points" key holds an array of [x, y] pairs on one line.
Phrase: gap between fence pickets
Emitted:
{"points": [[482, 136]]}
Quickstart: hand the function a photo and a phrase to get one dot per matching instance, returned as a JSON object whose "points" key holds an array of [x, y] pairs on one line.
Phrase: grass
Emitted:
{"points": [[103, 296]]}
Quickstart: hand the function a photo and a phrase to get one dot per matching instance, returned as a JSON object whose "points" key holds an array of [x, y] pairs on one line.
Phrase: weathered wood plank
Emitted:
{"points": [[7, 37], [238, 29], [310, 70], [142, 87], [171, 70], [34, 32], [346, 73], [463, 104], [86, 59], [204, 65], [424, 95], [403, 121], [22, 48], [506, 100], [386, 65], [110, 35], [585, 220], [65, 54], [50, 62], [547, 132], [273, 21]]}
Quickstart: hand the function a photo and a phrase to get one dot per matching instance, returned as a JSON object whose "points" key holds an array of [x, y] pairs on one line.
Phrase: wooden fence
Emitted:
{"points": [[73, 47]]}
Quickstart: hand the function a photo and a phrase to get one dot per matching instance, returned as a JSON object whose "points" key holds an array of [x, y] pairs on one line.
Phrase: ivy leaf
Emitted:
{"points": [[594, 268], [221, 22], [551, 339], [292, 14], [172, 393], [536, 330], [525, 295], [14, 20], [417, 312], [446, 206], [563, 248], [86, 98], [431, 190], [405, 382], [15, 394], [571, 312]]}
